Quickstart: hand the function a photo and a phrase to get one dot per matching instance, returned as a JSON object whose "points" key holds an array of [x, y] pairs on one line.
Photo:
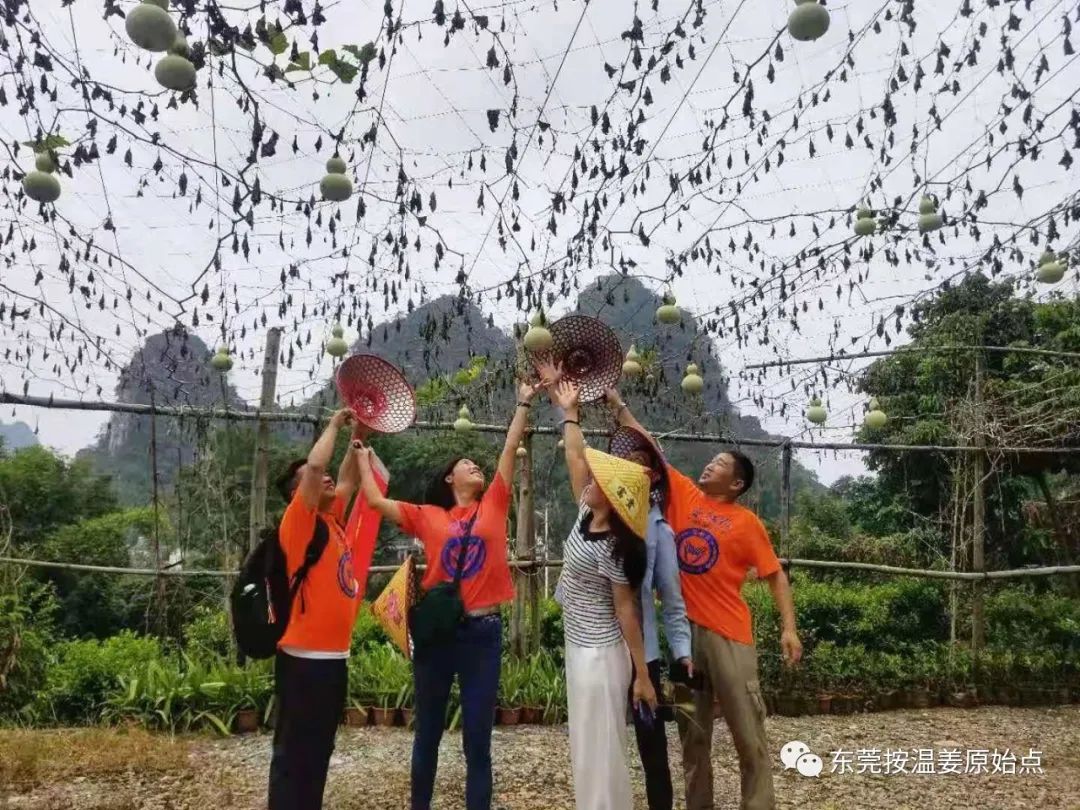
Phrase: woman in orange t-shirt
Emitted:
{"points": [[459, 510]]}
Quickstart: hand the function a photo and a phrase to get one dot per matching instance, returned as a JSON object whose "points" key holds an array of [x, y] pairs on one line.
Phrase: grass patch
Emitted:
{"points": [[29, 758]]}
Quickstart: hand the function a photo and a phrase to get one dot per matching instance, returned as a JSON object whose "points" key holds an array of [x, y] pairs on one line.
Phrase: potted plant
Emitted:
{"points": [[511, 683], [356, 715], [404, 704], [533, 691]]}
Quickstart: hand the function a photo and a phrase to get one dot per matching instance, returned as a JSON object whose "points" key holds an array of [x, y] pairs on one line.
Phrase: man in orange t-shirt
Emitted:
{"points": [[718, 542], [310, 671]]}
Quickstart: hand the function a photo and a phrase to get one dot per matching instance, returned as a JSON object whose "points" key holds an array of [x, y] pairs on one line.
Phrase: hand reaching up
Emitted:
{"points": [[567, 396]]}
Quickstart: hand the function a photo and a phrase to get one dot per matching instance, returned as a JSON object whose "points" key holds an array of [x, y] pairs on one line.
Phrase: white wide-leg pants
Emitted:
{"points": [[597, 685]]}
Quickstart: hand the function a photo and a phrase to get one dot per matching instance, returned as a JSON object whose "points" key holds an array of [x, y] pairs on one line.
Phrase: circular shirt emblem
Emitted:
{"points": [[698, 551], [346, 577], [474, 557]]}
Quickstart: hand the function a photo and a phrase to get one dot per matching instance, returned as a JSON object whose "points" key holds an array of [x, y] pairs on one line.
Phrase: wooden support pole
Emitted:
{"points": [[978, 523], [262, 437], [785, 497], [525, 549]]}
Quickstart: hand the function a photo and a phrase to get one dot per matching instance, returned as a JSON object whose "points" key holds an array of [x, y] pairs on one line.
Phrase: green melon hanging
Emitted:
{"points": [[875, 417], [631, 366], [222, 361], [464, 421], [336, 185], [538, 339], [41, 184], [150, 27], [1051, 268], [929, 218], [668, 312], [809, 20], [865, 225], [336, 347], [692, 382], [816, 413], [175, 71]]}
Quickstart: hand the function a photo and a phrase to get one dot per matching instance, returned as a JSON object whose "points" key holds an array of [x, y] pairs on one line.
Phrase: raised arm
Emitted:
{"points": [[514, 434], [565, 396], [626, 418], [370, 488], [312, 477], [348, 478]]}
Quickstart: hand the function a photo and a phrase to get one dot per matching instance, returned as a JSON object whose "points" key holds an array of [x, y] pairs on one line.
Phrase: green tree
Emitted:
{"points": [[41, 491], [1029, 400]]}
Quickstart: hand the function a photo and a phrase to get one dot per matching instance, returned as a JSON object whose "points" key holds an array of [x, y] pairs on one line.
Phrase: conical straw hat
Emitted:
{"points": [[625, 485]]}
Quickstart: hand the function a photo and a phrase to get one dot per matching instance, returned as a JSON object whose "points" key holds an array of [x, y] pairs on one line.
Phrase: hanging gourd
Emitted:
{"points": [[864, 222], [464, 421], [692, 383], [40, 184], [521, 452], [875, 417], [336, 186], [221, 361], [816, 412], [538, 339], [150, 27], [809, 20], [1051, 268], [336, 346], [631, 366], [175, 71], [929, 218], [668, 313]]}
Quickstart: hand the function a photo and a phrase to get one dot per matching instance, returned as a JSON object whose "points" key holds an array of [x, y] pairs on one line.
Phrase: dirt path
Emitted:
{"points": [[370, 770]]}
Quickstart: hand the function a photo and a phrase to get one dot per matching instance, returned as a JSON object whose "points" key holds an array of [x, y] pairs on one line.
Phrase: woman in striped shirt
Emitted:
{"points": [[603, 566]]}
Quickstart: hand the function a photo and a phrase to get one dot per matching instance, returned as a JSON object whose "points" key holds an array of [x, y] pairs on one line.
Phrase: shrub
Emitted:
{"points": [[87, 672], [208, 635], [27, 637], [367, 632]]}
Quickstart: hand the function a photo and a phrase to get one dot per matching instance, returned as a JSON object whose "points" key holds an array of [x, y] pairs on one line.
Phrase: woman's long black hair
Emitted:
{"points": [[628, 551], [439, 492]]}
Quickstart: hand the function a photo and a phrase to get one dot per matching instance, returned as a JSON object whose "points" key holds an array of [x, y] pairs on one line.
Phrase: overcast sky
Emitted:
{"points": [[435, 101]]}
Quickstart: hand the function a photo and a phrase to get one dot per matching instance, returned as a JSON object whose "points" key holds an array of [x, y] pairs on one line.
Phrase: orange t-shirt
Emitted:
{"points": [[485, 582], [330, 596], [717, 543]]}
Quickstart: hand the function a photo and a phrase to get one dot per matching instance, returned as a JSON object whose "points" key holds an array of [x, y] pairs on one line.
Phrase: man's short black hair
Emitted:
{"points": [[744, 469], [286, 484]]}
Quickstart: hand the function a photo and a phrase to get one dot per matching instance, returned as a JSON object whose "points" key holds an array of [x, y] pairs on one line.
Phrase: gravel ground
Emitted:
{"points": [[370, 768]]}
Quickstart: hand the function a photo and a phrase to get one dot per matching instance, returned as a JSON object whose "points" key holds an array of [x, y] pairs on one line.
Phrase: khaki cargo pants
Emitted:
{"points": [[731, 678]]}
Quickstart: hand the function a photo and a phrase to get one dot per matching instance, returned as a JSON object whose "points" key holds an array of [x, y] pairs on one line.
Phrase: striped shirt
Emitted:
{"points": [[584, 588]]}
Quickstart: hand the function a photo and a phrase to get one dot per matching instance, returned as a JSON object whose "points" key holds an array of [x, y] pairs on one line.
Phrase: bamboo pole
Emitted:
{"points": [[832, 358], [261, 472], [785, 496], [978, 522], [524, 548], [530, 565], [315, 419]]}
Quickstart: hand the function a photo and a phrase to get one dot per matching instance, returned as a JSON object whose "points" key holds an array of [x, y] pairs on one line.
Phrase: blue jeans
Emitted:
{"points": [[475, 657]]}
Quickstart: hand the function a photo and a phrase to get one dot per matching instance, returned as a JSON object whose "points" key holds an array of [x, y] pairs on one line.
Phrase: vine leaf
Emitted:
{"points": [[301, 62]]}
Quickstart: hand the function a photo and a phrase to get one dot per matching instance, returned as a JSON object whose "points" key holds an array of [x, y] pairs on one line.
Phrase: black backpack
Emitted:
{"points": [[262, 597]]}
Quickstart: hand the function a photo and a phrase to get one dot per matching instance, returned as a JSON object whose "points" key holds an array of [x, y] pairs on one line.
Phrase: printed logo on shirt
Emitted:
{"points": [[474, 557], [346, 577], [698, 551]]}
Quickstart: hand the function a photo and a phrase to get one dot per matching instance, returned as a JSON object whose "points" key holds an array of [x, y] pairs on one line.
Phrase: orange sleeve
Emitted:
{"points": [[338, 510], [760, 553], [498, 494], [412, 519], [296, 528]]}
